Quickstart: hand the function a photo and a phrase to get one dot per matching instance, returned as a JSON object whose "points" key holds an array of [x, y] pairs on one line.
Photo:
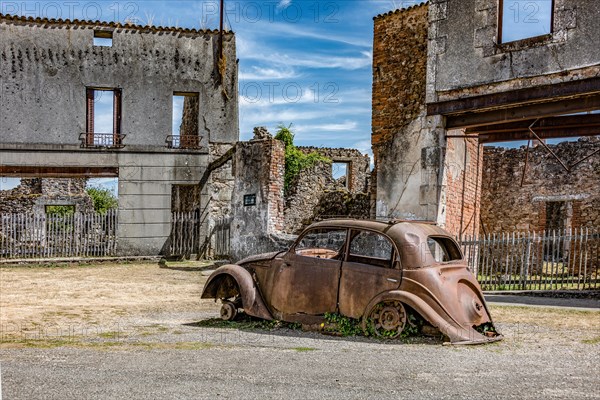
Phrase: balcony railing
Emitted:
{"points": [[183, 142], [109, 140]]}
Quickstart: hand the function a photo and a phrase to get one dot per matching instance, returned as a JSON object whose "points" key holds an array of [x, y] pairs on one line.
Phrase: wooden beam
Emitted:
{"points": [[526, 112], [542, 125], [515, 98], [18, 171]]}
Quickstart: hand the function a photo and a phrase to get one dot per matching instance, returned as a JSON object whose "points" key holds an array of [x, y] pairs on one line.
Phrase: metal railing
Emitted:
{"points": [[110, 140], [550, 260], [48, 236], [183, 142]]}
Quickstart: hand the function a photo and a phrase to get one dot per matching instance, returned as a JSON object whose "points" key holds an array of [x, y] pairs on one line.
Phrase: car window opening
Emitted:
{"points": [[443, 249]]}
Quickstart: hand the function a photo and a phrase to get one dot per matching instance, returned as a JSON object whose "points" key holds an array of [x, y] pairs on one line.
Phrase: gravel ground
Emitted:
{"points": [[155, 349]]}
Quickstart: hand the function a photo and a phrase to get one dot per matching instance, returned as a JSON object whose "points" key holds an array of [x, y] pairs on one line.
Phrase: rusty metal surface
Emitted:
{"points": [[303, 285]]}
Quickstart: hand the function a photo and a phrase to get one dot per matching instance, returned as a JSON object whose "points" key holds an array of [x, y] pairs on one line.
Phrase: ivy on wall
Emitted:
{"points": [[295, 160]]}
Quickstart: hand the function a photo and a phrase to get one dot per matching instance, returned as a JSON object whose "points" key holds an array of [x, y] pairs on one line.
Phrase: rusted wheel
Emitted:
{"points": [[228, 311], [388, 319]]}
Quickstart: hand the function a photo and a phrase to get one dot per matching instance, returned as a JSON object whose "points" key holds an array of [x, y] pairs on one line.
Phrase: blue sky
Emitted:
{"points": [[302, 62], [305, 62]]}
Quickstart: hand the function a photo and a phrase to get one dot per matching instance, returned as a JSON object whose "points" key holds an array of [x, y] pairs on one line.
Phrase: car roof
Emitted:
{"points": [[410, 236], [391, 228]]}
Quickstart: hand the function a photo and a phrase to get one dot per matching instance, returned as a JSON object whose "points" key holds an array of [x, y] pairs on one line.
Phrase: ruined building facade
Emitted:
{"points": [[53, 79], [548, 198], [266, 217], [445, 82]]}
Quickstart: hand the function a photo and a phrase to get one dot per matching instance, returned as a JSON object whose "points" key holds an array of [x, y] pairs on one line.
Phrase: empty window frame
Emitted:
{"points": [[185, 128], [371, 248], [523, 19], [322, 243], [443, 249], [103, 38], [341, 173], [103, 115]]}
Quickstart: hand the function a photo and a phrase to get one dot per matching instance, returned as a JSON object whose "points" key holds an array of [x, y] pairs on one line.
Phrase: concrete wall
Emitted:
{"points": [[464, 50], [507, 206], [45, 69]]}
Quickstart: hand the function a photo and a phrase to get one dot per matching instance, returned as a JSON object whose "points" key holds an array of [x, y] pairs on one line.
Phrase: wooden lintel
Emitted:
{"points": [[515, 98], [527, 112], [58, 172]]}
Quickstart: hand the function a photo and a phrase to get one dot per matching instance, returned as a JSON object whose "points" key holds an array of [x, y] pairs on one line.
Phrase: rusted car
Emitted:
{"points": [[379, 272]]}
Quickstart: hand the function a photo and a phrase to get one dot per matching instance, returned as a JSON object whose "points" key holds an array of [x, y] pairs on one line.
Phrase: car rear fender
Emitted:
{"points": [[225, 280], [455, 332]]}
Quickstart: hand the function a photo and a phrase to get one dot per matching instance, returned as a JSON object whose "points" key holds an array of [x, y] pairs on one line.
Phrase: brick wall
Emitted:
{"points": [[399, 71], [463, 170], [506, 206]]}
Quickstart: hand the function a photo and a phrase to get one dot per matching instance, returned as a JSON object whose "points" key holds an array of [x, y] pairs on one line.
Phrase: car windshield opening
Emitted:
{"points": [[322, 243]]}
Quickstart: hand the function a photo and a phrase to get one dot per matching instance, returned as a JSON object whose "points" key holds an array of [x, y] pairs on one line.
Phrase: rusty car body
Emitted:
{"points": [[378, 272]]}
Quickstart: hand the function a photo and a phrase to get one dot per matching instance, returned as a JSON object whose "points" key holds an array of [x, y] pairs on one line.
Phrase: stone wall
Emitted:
{"points": [[506, 206], [408, 145], [466, 58], [315, 194], [359, 165], [33, 195], [258, 168]]}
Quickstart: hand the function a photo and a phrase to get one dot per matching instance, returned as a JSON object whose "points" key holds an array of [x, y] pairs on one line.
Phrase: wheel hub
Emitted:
{"points": [[388, 319]]}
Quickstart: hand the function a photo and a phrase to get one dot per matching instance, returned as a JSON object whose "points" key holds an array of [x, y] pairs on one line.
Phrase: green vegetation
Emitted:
{"points": [[103, 199], [295, 160], [595, 340], [60, 211], [303, 349], [336, 323]]}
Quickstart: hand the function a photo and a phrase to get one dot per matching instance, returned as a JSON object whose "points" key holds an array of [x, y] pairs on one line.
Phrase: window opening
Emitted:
{"points": [[523, 19], [371, 248], [443, 249], [103, 117], [103, 38], [185, 127], [339, 171], [322, 243]]}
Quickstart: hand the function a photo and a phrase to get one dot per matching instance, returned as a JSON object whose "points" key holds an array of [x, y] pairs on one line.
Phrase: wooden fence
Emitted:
{"points": [[50, 236], [185, 233], [551, 260], [187, 236]]}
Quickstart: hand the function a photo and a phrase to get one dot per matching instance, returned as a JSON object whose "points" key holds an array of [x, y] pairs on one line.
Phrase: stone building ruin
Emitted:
{"points": [[55, 79], [264, 218], [447, 80], [33, 196]]}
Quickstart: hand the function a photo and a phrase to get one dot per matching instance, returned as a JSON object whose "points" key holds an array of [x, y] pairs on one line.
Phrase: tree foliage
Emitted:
{"points": [[295, 160], [103, 199]]}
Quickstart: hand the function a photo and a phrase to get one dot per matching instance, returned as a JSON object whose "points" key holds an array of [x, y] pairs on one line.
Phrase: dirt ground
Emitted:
{"points": [[58, 301], [140, 331], [61, 298]]}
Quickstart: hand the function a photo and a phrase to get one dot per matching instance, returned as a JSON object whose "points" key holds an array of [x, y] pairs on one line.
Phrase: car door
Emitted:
{"points": [[370, 267], [307, 278]]}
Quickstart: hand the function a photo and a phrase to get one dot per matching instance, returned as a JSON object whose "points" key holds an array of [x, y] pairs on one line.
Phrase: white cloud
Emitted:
{"points": [[335, 127], [283, 4], [258, 73], [250, 50]]}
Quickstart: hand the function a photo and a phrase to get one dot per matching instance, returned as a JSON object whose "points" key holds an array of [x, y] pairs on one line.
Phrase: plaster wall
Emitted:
{"points": [[466, 58], [45, 70]]}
